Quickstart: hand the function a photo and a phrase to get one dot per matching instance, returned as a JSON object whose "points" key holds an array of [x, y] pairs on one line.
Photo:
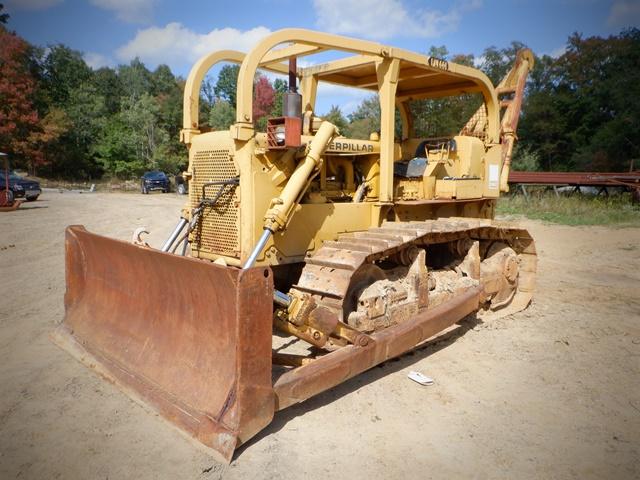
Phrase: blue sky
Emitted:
{"points": [[110, 32]]}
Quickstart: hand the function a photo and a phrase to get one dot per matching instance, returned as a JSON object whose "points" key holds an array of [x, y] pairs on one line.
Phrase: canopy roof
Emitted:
{"points": [[432, 78], [372, 67]]}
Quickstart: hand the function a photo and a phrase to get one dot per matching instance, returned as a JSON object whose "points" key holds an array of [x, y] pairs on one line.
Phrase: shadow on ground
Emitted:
{"points": [[424, 350]]}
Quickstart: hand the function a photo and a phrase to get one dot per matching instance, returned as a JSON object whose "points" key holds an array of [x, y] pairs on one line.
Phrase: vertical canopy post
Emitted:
{"points": [[387, 72]]}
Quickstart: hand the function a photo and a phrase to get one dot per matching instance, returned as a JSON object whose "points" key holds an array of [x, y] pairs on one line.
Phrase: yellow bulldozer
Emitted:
{"points": [[357, 249]]}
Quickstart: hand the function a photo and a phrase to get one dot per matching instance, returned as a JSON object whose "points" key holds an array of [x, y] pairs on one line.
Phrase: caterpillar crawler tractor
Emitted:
{"points": [[362, 249]]}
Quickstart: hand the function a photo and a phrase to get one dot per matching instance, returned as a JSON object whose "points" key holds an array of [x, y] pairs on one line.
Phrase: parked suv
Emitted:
{"points": [[154, 181], [21, 187]]}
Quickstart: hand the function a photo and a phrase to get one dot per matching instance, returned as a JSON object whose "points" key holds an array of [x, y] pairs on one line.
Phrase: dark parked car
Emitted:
{"points": [[21, 187], [154, 181]]}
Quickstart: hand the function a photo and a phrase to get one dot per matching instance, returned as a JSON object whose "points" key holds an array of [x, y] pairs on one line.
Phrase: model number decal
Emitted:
{"points": [[438, 63]]}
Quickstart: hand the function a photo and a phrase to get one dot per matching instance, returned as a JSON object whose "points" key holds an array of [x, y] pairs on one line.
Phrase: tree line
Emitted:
{"points": [[61, 118]]}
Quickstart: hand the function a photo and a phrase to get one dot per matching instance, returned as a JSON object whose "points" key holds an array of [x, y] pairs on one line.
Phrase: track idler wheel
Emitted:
{"points": [[365, 276], [499, 275]]}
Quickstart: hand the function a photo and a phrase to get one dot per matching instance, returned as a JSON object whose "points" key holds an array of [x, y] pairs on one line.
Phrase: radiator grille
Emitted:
{"points": [[218, 230]]}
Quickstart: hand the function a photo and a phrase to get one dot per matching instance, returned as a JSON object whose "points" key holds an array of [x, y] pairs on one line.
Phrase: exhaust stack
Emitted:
{"points": [[292, 100]]}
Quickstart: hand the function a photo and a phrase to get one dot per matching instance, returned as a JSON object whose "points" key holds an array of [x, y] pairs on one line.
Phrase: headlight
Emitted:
{"points": [[18, 187]]}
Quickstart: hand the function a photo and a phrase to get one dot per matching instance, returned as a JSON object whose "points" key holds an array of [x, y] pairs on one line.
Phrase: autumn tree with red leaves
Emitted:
{"points": [[18, 116], [263, 98]]}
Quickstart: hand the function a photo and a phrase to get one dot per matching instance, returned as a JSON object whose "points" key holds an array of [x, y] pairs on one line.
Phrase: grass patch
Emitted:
{"points": [[572, 210]]}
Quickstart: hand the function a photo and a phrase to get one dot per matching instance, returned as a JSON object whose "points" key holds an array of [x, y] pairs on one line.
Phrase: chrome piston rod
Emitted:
{"points": [[266, 234], [279, 298], [176, 232]]}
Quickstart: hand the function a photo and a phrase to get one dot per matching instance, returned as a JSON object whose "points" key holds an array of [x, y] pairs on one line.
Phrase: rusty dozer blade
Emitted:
{"points": [[190, 338]]}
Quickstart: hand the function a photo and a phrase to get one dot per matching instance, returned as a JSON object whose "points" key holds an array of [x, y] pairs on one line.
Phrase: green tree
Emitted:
{"points": [[172, 156], [207, 92], [64, 70], [135, 79], [85, 113], [545, 127], [108, 85], [222, 115], [141, 116], [115, 149], [280, 87], [464, 59], [438, 52], [227, 84], [365, 119], [606, 101], [169, 159], [144, 133], [133, 141], [169, 98], [163, 81], [73, 111], [582, 109], [86, 110], [336, 117], [496, 62], [525, 159]]}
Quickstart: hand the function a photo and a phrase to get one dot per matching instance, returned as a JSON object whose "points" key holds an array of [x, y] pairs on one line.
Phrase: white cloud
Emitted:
{"points": [[383, 19], [97, 60], [176, 44], [30, 4], [132, 11], [624, 14]]}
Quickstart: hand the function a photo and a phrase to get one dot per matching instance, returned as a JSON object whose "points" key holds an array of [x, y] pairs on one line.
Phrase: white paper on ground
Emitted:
{"points": [[420, 378]]}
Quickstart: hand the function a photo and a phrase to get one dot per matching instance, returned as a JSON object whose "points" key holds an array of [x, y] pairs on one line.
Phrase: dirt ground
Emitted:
{"points": [[551, 392]]}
